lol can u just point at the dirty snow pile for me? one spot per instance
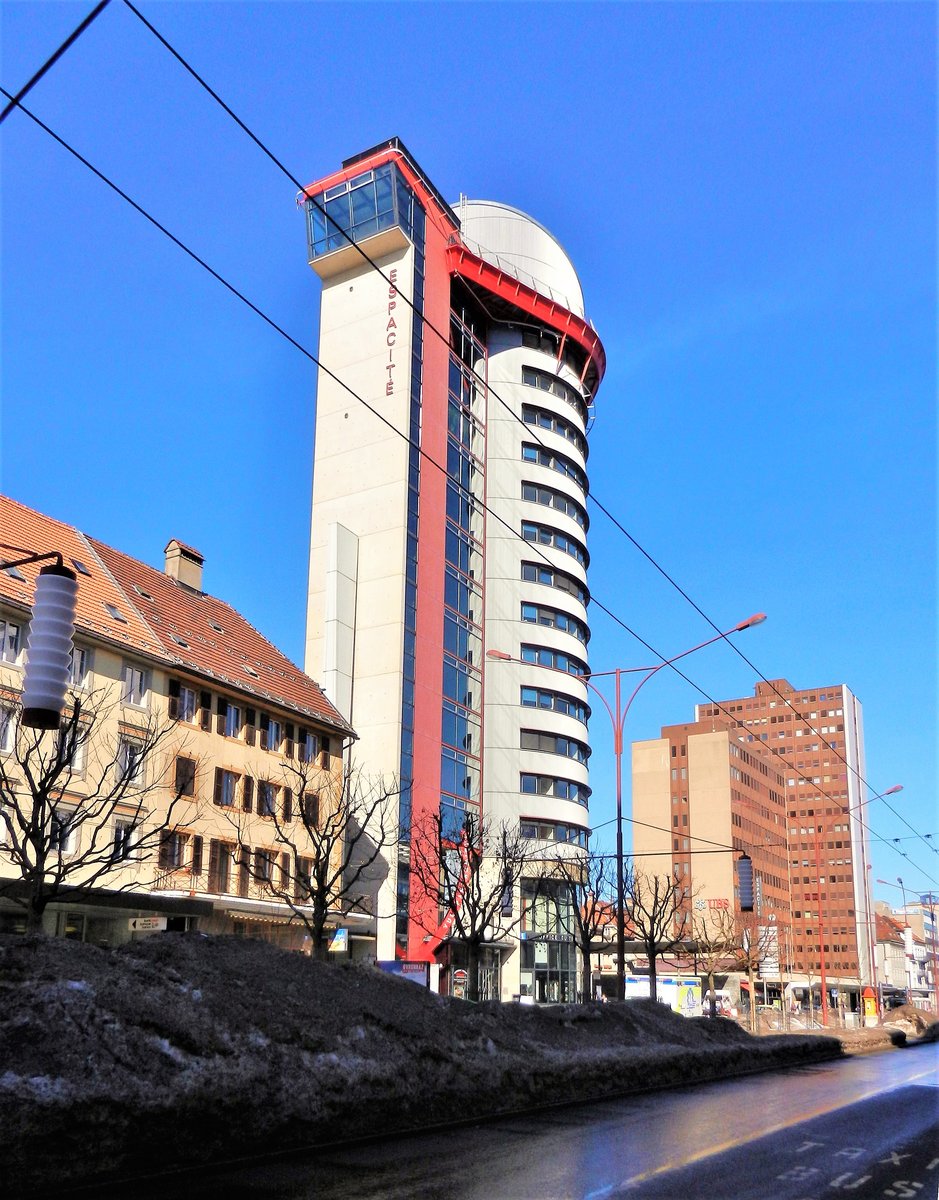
(181, 1048)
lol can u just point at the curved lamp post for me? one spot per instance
(870, 920)
(617, 712)
(906, 925)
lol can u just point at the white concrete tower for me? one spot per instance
(449, 519)
(535, 704)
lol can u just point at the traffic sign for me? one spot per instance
(146, 924)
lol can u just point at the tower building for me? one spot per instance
(819, 733)
(701, 787)
(449, 513)
(777, 775)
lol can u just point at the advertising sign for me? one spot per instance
(681, 995)
(417, 972)
(339, 942)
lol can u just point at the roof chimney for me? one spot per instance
(184, 564)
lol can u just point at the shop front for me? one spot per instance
(548, 970)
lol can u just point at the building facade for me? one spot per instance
(778, 775)
(916, 925)
(895, 961)
(920, 914)
(699, 790)
(182, 703)
(818, 737)
(449, 520)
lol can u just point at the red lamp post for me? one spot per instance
(617, 712)
(868, 904)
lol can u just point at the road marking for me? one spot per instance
(734, 1143)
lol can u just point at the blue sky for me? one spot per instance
(748, 192)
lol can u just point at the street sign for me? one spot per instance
(146, 924)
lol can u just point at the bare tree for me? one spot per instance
(589, 878)
(717, 941)
(754, 944)
(658, 914)
(81, 805)
(469, 880)
(325, 836)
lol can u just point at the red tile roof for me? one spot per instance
(888, 930)
(36, 533)
(156, 608)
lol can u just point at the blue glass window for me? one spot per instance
(532, 697)
(545, 656)
(459, 682)
(370, 202)
(452, 818)
(549, 785)
(555, 462)
(458, 775)
(545, 535)
(551, 577)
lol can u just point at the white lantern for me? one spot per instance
(48, 647)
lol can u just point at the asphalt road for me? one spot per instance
(860, 1129)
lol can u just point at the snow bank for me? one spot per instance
(179, 1048)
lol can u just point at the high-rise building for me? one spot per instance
(449, 517)
(698, 789)
(818, 737)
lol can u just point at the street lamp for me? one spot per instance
(868, 909)
(908, 956)
(50, 639)
(928, 900)
(617, 713)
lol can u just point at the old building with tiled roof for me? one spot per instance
(893, 958)
(153, 650)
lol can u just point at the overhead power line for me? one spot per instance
(54, 58)
(532, 546)
(530, 430)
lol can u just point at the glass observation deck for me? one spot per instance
(357, 209)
